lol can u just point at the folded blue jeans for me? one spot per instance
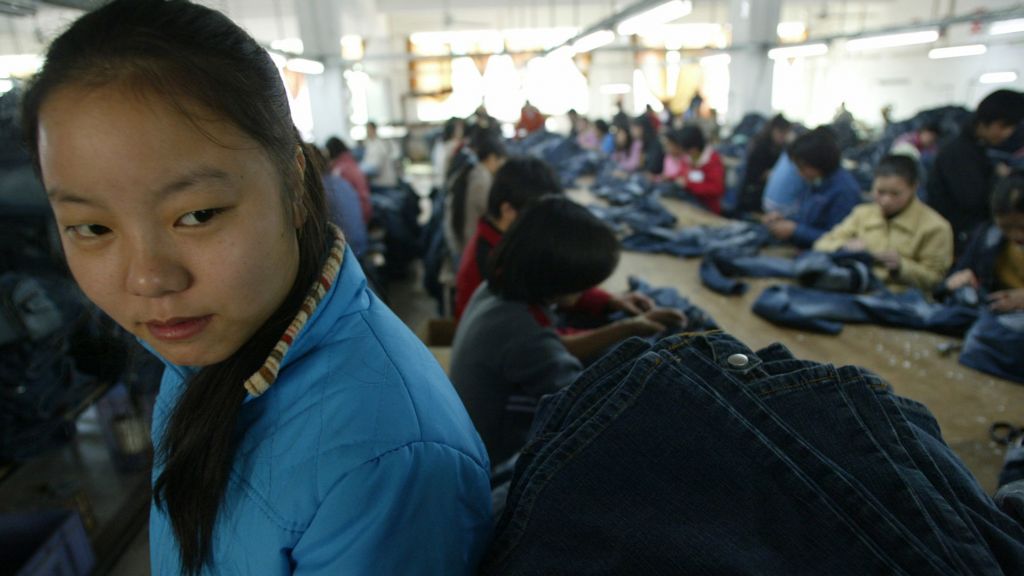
(696, 455)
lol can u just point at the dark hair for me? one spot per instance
(898, 165)
(189, 54)
(487, 145)
(484, 146)
(336, 147)
(449, 128)
(818, 149)
(601, 126)
(687, 138)
(556, 247)
(520, 181)
(629, 138)
(1008, 197)
(778, 122)
(371, 124)
(1003, 106)
(933, 127)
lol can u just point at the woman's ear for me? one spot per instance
(298, 199)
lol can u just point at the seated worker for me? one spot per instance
(784, 188)
(695, 166)
(467, 194)
(519, 183)
(628, 154)
(763, 153)
(994, 258)
(911, 243)
(506, 353)
(963, 176)
(832, 194)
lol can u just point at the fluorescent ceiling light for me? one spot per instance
(278, 59)
(304, 66)
(893, 40)
(562, 52)
(593, 40)
(289, 45)
(20, 65)
(802, 51)
(1006, 27)
(667, 12)
(957, 51)
(352, 47)
(716, 60)
(791, 31)
(616, 89)
(998, 78)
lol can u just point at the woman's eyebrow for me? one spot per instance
(192, 178)
(184, 182)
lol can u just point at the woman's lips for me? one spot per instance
(178, 328)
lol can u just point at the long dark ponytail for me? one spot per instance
(189, 54)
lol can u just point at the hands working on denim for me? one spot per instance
(780, 226)
(1007, 300)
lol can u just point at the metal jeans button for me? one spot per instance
(738, 360)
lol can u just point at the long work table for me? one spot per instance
(964, 401)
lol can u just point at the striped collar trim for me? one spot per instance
(261, 381)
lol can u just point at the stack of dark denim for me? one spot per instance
(699, 240)
(696, 455)
(397, 210)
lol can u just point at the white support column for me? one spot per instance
(320, 29)
(754, 24)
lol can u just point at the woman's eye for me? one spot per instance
(88, 230)
(198, 217)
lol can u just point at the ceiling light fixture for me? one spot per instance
(802, 51)
(593, 40)
(658, 15)
(957, 51)
(893, 40)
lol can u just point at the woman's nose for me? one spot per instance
(154, 270)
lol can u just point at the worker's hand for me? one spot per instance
(655, 321)
(782, 229)
(855, 245)
(1007, 300)
(1003, 170)
(769, 217)
(961, 279)
(890, 259)
(632, 303)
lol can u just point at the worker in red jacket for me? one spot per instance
(695, 166)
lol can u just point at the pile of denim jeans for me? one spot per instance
(565, 155)
(826, 312)
(397, 210)
(994, 343)
(699, 240)
(833, 271)
(696, 455)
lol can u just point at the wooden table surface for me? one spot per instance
(964, 401)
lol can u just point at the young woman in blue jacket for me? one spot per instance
(300, 427)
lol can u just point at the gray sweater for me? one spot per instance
(503, 361)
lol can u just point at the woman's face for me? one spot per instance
(1012, 225)
(185, 239)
